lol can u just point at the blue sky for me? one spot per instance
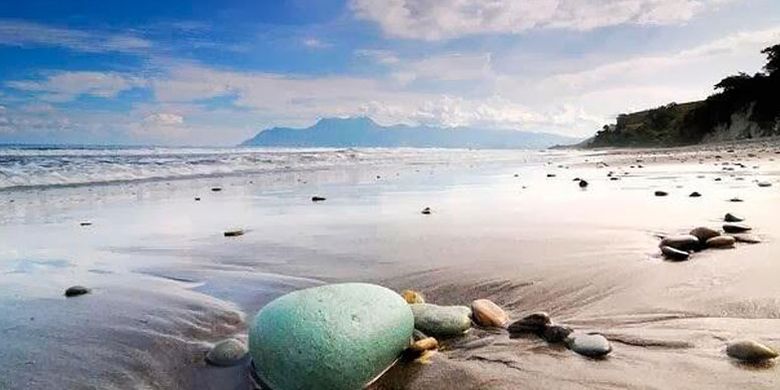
(216, 72)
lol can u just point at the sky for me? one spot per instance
(209, 72)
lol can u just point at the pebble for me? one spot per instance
(426, 211)
(747, 238)
(85, 223)
(550, 175)
(735, 200)
(695, 194)
(556, 333)
(441, 320)
(234, 233)
(227, 353)
(661, 193)
(704, 233)
(721, 242)
(411, 296)
(535, 322)
(732, 218)
(590, 345)
(216, 189)
(674, 254)
(750, 351)
(197, 198)
(75, 291)
(317, 199)
(685, 242)
(488, 314)
(735, 228)
(583, 184)
(764, 184)
(425, 344)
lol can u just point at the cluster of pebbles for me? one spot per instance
(680, 247)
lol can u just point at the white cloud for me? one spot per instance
(443, 19)
(315, 43)
(384, 57)
(22, 33)
(164, 119)
(66, 86)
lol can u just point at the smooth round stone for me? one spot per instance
(488, 314)
(318, 199)
(674, 254)
(591, 345)
(661, 193)
(234, 233)
(685, 242)
(747, 238)
(750, 351)
(411, 296)
(735, 228)
(426, 211)
(764, 184)
(732, 218)
(556, 333)
(704, 233)
(425, 344)
(438, 320)
(227, 353)
(338, 336)
(721, 242)
(695, 194)
(583, 183)
(75, 291)
(535, 322)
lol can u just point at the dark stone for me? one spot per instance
(695, 194)
(426, 210)
(735, 200)
(583, 183)
(234, 233)
(216, 189)
(661, 193)
(197, 199)
(732, 218)
(317, 199)
(674, 254)
(590, 345)
(556, 333)
(532, 323)
(227, 353)
(76, 291)
(747, 238)
(86, 223)
(550, 175)
(735, 227)
(685, 242)
(704, 233)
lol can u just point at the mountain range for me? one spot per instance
(364, 132)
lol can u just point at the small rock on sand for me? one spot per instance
(674, 254)
(426, 211)
(732, 218)
(75, 291)
(721, 242)
(764, 184)
(234, 233)
(661, 193)
(704, 233)
(735, 227)
(583, 183)
(317, 199)
(227, 353)
(533, 323)
(85, 223)
(197, 198)
(591, 345)
(488, 314)
(685, 242)
(425, 344)
(695, 194)
(735, 200)
(556, 333)
(750, 351)
(216, 189)
(747, 238)
(411, 296)
(441, 320)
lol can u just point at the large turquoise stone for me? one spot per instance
(339, 336)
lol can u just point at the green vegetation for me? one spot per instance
(756, 97)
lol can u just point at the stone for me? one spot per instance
(417, 335)
(674, 254)
(695, 194)
(85, 223)
(75, 291)
(425, 344)
(583, 184)
(591, 344)
(661, 193)
(721, 242)
(317, 199)
(488, 314)
(234, 233)
(704, 233)
(227, 353)
(197, 199)
(338, 336)
(747, 238)
(532, 323)
(750, 351)
(426, 211)
(764, 184)
(732, 218)
(685, 242)
(735, 200)
(556, 333)
(411, 296)
(216, 189)
(735, 228)
(438, 320)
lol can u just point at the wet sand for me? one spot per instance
(167, 284)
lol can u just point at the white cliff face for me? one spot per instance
(740, 127)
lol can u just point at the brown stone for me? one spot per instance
(488, 314)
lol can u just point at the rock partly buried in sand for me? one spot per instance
(425, 344)
(426, 211)
(583, 184)
(532, 323)
(735, 200)
(735, 228)
(674, 254)
(695, 194)
(85, 223)
(747, 238)
(591, 345)
(338, 336)
(234, 232)
(441, 320)
(721, 242)
(216, 189)
(764, 184)
(411, 296)
(704, 233)
(317, 199)
(732, 218)
(684, 242)
(750, 351)
(661, 193)
(75, 291)
(488, 314)
(556, 333)
(227, 353)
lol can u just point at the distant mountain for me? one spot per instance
(364, 132)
